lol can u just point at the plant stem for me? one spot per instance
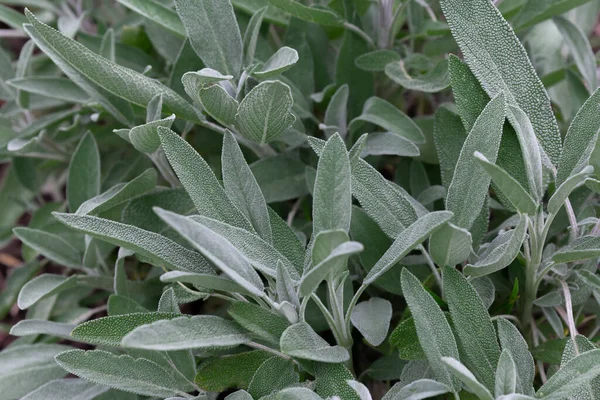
(259, 346)
(359, 32)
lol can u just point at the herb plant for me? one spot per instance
(290, 199)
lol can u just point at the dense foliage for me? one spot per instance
(300, 200)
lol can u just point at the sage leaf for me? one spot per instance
(534, 12)
(283, 59)
(434, 332)
(42, 287)
(319, 16)
(265, 113)
(251, 35)
(219, 104)
(221, 373)
(140, 376)
(28, 327)
(83, 181)
(406, 241)
(51, 246)
(372, 319)
(262, 323)
(274, 374)
(219, 45)
(572, 376)
(506, 375)
(145, 138)
(157, 13)
(512, 341)
(331, 381)
(466, 377)
(419, 389)
(205, 281)
(450, 245)
(182, 333)
(55, 87)
(435, 80)
(75, 389)
(377, 60)
(580, 249)
(336, 115)
(562, 193)
(301, 341)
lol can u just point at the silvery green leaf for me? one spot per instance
(435, 80)
(572, 377)
(214, 33)
(377, 60)
(466, 377)
(407, 241)
(109, 331)
(297, 393)
(12, 17)
(286, 241)
(318, 15)
(217, 249)
(469, 187)
(331, 381)
(54, 87)
(145, 138)
(168, 302)
(328, 268)
(251, 35)
(193, 82)
(389, 143)
(433, 329)
(51, 246)
(283, 59)
(83, 181)
(42, 327)
(336, 115)
(205, 281)
(535, 12)
(372, 319)
(485, 289)
(580, 139)
(81, 64)
(140, 376)
(593, 184)
(154, 108)
(580, 50)
(73, 389)
(280, 178)
(481, 349)
(450, 245)
(449, 136)
(219, 104)
(509, 186)
(589, 278)
(199, 331)
(361, 390)
(495, 55)
(572, 350)
(107, 46)
(506, 375)
(26, 367)
(384, 114)
(417, 390)
(200, 182)
(286, 290)
(120, 193)
(273, 374)
(301, 341)
(503, 250)
(239, 395)
(157, 13)
(42, 287)
(581, 249)
(550, 299)
(562, 193)
(155, 248)
(332, 197)
(242, 188)
(260, 322)
(511, 340)
(265, 113)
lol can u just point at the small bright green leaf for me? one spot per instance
(283, 59)
(562, 193)
(435, 80)
(406, 241)
(321, 16)
(83, 181)
(372, 319)
(466, 377)
(44, 286)
(214, 33)
(51, 246)
(157, 13)
(581, 249)
(301, 341)
(265, 113)
(199, 331)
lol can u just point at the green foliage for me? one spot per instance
(299, 199)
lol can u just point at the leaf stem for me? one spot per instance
(432, 266)
(359, 32)
(259, 346)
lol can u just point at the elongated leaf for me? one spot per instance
(377, 60)
(581, 249)
(83, 181)
(332, 195)
(379, 112)
(109, 331)
(406, 340)
(219, 374)
(73, 389)
(120, 193)
(435, 80)
(372, 319)
(260, 322)
(434, 332)
(301, 341)
(481, 349)
(43, 286)
(572, 376)
(138, 89)
(42, 327)
(469, 186)
(580, 139)
(199, 331)
(214, 33)
(273, 374)
(506, 375)
(417, 390)
(15, 281)
(319, 16)
(58, 88)
(206, 281)
(280, 178)
(450, 245)
(562, 193)
(509, 186)
(217, 249)
(138, 376)
(265, 113)
(297, 393)
(388, 143)
(537, 11)
(589, 278)
(511, 340)
(406, 241)
(503, 250)
(199, 181)
(242, 188)
(462, 373)
(251, 35)
(156, 248)
(336, 115)
(51, 246)
(496, 56)
(157, 13)
(283, 59)
(331, 381)
(580, 48)
(145, 138)
(26, 367)
(218, 104)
